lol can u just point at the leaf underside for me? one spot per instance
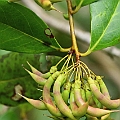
(105, 24)
(23, 31)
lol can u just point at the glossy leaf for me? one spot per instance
(105, 28)
(12, 74)
(85, 2)
(23, 31)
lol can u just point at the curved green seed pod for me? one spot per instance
(45, 4)
(105, 117)
(35, 71)
(103, 87)
(47, 99)
(59, 100)
(82, 91)
(65, 15)
(103, 99)
(56, 118)
(53, 117)
(97, 84)
(96, 112)
(89, 95)
(46, 75)
(77, 111)
(91, 117)
(40, 80)
(98, 104)
(36, 103)
(66, 92)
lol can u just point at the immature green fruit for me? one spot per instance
(47, 99)
(105, 117)
(36, 103)
(38, 73)
(77, 111)
(103, 99)
(65, 15)
(40, 80)
(98, 104)
(66, 92)
(45, 4)
(91, 117)
(89, 95)
(96, 112)
(65, 110)
(82, 91)
(34, 70)
(103, 87)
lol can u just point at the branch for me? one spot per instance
(59, 23)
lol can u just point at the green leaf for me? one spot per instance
(105, 29)
(85, 2)
(13, 75)
(21, 30)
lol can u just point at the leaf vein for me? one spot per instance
(106, 27)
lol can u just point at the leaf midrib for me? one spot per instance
(37, 39)
(28, 35)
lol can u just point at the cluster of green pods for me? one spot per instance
(72, 92)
